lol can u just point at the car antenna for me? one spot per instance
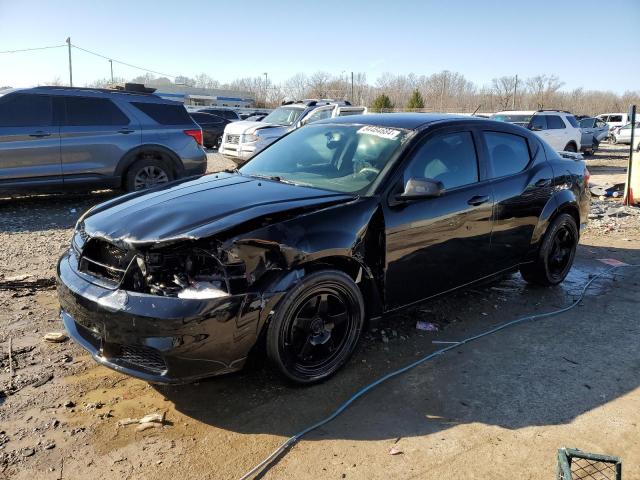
(476, 111)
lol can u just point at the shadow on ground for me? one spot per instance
(541, 373)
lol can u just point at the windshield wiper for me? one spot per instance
(275, 178)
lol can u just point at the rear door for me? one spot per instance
(436, 244)
(94, 137)
(522, 183)
(558, 132)
(29, 141)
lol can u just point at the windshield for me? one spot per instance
(283, 116)
(344, 158)
(505, 117)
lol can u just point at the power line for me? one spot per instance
(122, 63)
(32, 49)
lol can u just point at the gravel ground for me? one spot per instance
(59, 412)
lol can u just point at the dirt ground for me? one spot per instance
(499, 407)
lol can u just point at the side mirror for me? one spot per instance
(534, 128)
(417, 188)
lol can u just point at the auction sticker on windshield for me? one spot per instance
(381, 132)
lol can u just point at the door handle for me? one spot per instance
(126, 131)
(543, 182)
(40, 134)
(478, 200)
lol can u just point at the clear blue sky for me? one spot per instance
(583, 42)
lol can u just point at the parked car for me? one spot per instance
(212, 128)
(61, 137)
(558, 128)
(594, 131)
(623, 134)
(244, 139)
(226, 113)
(614, 119)
(345, 219)
(256, 118)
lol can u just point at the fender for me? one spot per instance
(129, 157)
(562, 201)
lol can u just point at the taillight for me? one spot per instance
(587, 176)
(195, 134)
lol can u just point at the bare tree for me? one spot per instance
(503, 89)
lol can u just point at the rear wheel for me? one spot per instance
(556, 254)
(147, 172)
(316, 327)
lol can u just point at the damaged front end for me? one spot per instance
(164, 313)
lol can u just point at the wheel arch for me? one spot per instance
(132, 155)
(563, 201)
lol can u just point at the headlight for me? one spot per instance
(250, 138)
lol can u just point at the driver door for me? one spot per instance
(437, 244)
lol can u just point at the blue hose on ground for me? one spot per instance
(292, 440)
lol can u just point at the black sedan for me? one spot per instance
(341, 221)
(212, 128)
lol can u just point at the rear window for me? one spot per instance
(615, 118)
(572, 120)
(25, 111)
(93, 111)
(554, 122)
(165, 114)
(509, 153)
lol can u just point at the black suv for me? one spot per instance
(52, 137)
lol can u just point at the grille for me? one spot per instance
(144, 357)
(233, 139)
(105, 260)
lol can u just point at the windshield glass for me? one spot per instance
(344, 158)
(284, 116)
(505, 117)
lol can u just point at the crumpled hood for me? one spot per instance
(247, 127)
(198, 208)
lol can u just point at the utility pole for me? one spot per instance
(352, 99)
(70, 69)
(266, 83)
(515, 92)
(111, 64)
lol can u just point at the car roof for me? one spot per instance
(97, 93)
(515, 112)
(410, 121)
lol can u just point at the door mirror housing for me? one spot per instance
(417, 188)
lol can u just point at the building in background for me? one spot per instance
(204, 97)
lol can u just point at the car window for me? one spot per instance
(615, 118)
(26, 111)
(554, 122)
(539, 122)
(600, 124)
(572, 121)
(508, 153)
(93, 111)
(319, 115)
(587, 123)
(449, 158)
(206, 118)
(165, 114)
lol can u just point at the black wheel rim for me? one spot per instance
(561, 252)
(320, 330)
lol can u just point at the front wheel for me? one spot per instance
(556, 254)
(316, 327)
(570, 147)
(147, 172)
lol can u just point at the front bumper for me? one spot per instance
(238, 151)
(158, 339)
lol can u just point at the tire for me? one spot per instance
(147, 172)
(614, 140)
(316, 327)
(570, 147)
(217, 143)
(556, 254)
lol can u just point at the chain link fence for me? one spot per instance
(577, 465)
